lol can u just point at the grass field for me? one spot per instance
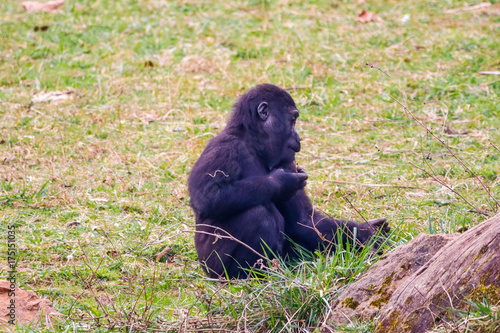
(94, 179)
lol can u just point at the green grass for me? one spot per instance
(96, 183)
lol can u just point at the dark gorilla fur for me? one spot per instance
(247, 189)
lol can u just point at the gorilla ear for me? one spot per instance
(262, 111)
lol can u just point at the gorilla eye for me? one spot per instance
(295, 115)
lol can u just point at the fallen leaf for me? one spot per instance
(73, 224)
(490, 73)
(113, 253)
(35, 6)
(30, 310)
(366, 16)
(481, 5)
(53, 96)
(449, 131)
(41, 28)
(163, 253)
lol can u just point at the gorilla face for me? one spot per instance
(279, 134)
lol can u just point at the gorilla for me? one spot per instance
(248, 194)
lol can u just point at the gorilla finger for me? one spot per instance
(301, 170)
(302, 176)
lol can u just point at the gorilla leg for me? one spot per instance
(254, 234)
(314, 231)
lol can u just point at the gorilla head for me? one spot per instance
(265, 116)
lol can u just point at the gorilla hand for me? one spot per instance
(287, 183)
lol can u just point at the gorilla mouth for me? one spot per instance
(295, 148)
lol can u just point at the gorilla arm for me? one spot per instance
(218, 188)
